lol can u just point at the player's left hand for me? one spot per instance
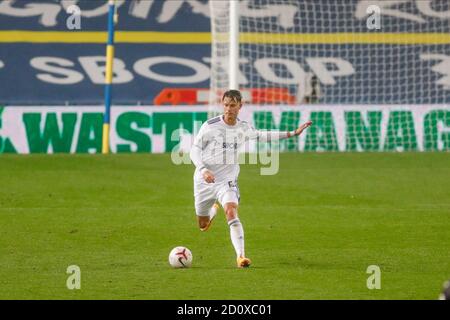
(300, 129)
(208, 176)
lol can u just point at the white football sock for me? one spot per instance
(237, 236)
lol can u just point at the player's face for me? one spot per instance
(231, 108)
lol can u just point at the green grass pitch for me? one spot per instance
(311, 230)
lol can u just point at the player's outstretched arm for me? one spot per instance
(300, 129)
(273, 135)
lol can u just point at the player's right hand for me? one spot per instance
(208, 176)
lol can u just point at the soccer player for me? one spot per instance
(215, 155)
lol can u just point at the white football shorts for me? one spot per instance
(206, 194)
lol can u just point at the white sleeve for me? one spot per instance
(201, 139)
(196, 157)
(267, 135)
(199, 144)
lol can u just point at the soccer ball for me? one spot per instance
(180, 257)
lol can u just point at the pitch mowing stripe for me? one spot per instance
(17, 36)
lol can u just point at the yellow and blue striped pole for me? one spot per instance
(108, 76)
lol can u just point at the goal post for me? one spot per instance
(234, 45)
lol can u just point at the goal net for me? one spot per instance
(363, 71)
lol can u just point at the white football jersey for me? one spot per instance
(217, 147)
(220, 144)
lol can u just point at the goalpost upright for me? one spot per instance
(234, 45)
